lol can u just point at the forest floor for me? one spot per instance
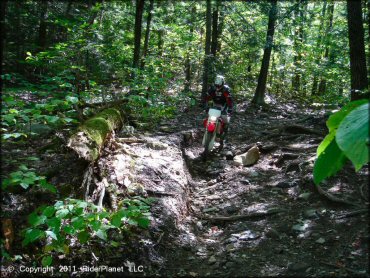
(214, 218)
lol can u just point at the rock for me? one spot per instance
(230, 247)
(210, 209)
(272, 233)
(299, 266)
(190, 155)
(157, 145)
(320, 240)
(304, 196)
(231, 240)
(248, 158)
(212, 260)
(310, 213)
(229, 155)
(245, 181)
(287, 184)
(127, 130)
(231, 209)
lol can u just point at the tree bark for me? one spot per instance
(188, 65)
(2, 42)
(298, 41)
(91, 135)
(43, 25)
(318, 46)
(259, 95)
(322, 85)
(147, 33)
(214, 31)
(138, 24)
(359, 80)
(207, 49)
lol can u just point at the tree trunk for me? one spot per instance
(187, 62)
(259, 95)
(214, 31)
(138, 23)
(147, 33)
(91, 135)
(298, 42)
(207, 48)
(43, 25)
(220, 27)
(322, 85)
(318, 46)
(2, 42)
(356, 49)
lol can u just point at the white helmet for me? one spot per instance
(220, 80)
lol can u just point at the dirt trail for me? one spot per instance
(214, 218)
(289, 228)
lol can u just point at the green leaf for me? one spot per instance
(44, 184)
(24, 185)
(69, 229)
(54, 223)
(36, 220)
(83, 236)
(102, 234)
(78, 222)
(48, 211)
(334, 120)
(143, 222)
(353, 136)
(117, 220)
(51, 234)
(32, 235)
(330, 161)
(62, 213)
(46, 261)
(95, 225)
(325, 143)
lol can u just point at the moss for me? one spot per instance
(100, 125)
(97, 129)
(113, 116)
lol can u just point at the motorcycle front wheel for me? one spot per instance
(208, 141)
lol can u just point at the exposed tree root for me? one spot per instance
(353, 213)
(87, 180)
(342, 267)
(131, 140)
(244, 216)
(332, 198)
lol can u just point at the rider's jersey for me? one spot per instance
(222, 97)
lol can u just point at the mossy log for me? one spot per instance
(90, 136)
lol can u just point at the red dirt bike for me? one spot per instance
(214, 127)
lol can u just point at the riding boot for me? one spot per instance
(223, 137)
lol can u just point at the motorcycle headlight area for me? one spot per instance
(213, 118)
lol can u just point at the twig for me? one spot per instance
(245, 216)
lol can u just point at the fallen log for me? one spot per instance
(91, 135)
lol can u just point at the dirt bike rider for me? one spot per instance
(221, 96)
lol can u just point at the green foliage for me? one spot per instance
(348, 138)
(72, 218)
(25, 178)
